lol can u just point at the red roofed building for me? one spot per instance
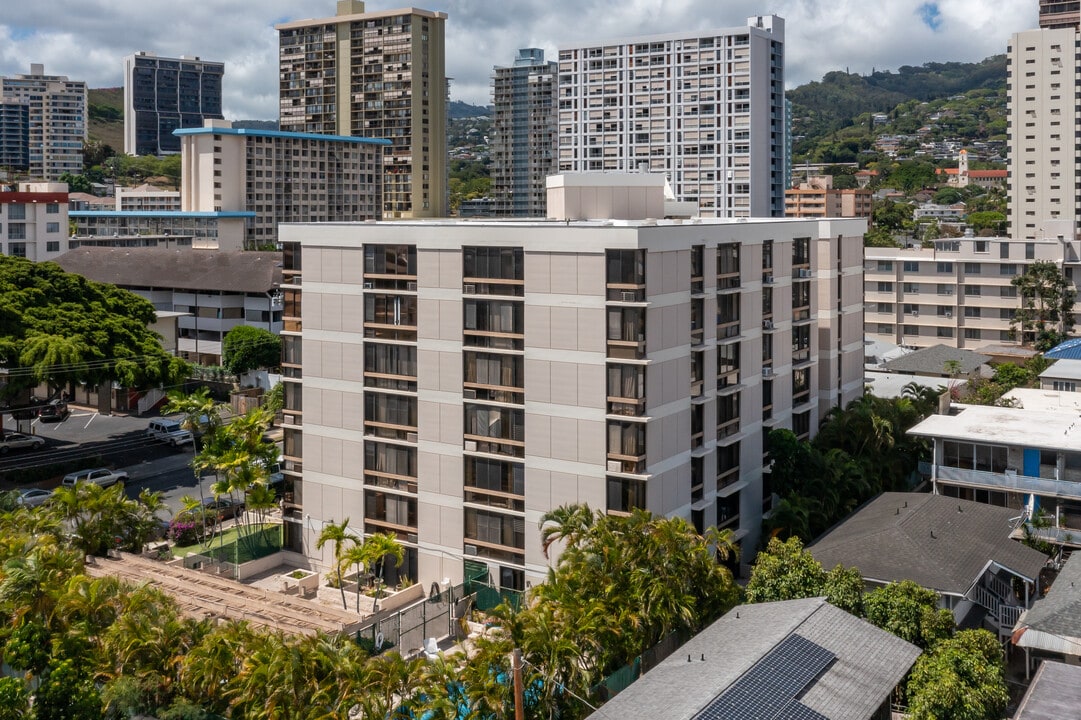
(961, 176)
(34, 221)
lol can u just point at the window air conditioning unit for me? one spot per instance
(615, 466)
(469, 549)
(767, 324)
(767, 371)
(470, 445)
(410, 437)
(469, 289)
(411, 285)
(767, 279)
(915, 313)
(630, 296)
(949, 314)
(804, 273)
(469, 394)
(369, 285)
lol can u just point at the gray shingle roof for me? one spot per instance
(870, 662)
(1055, 693)
(926, 539)
(932, 361)
(1057, 614)
(186, 269)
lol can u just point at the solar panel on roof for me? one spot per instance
(768, 690)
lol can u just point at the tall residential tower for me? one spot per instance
(523, 134)
(1044, 164)
(56, 120)
(165, 94)
(704, 108)
(376, 75)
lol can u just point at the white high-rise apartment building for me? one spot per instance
(704, 108)
(1044, 163)
(57, 120)
(461, 378)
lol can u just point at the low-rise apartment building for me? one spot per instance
(34, 220)
(215, 290)
(957, 292)
(462, 378)
(817, 198)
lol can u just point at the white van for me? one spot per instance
(99, 476)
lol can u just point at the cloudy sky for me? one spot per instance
(87, 39)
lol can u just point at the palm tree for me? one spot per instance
(202, 413)
(370, 555)
(336, 533)
(568, 523)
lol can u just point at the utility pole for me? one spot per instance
(516, 669)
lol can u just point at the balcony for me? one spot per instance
(1009, 481)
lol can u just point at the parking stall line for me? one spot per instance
(90, 421)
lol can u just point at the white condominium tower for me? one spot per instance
(1042, 85)
(704, 108)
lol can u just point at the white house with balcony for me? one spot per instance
(1025, 458)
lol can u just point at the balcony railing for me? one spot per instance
(1010, 481)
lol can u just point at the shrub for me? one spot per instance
(184, 532)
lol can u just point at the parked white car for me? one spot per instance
(19, 441)
(33, 497)
(99, 476)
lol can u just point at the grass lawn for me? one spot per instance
(226, 540)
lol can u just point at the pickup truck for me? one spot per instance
(169, 431)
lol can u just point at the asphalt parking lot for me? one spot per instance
(119, 440)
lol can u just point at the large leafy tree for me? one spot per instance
(785, 571)
(58, 327)
(247, 348)
(962, 678)
(910, 612)
(1047, 299)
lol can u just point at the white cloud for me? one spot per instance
(87, 39)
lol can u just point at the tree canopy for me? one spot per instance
(1045, 317)
(58, 327)
(247, 348)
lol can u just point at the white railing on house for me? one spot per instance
(1008, 481)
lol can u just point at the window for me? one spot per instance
(492, 262)
(1007, 291)
(885, 266)
(972, 312)
(911, 287)
(1030, 251)
(625, 495)
(16, 211)
(1064, 385)
(980, 246)
(1004, 250)
(52, 246)
(944, 289)
(52, 208)
(972, 333)
(972, 268)
(911, 309)
(912, 266)
(944, 267)
(944, 332)
(1008, 269)
(1005, 313)
(52, 227)
(494, 529)
(972, 290)
(16, 231)
(969, 456)
(17, 249)
(390, 259)
(885, 287)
